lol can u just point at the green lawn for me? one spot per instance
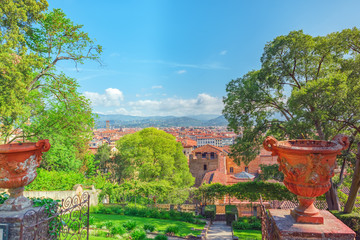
(248, 234)
(101, 238)
(160, 224)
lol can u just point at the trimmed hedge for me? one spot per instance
(231, 214)
(140, 211)
(247, 223)
(352, 220)
(210, 212)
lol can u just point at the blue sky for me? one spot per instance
(175, 57)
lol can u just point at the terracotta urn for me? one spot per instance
(18, 163)
(308, 166)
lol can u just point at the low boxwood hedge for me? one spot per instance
(210, 212)
(231, 214)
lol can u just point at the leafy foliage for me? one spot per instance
(149, 227)
(154, 156)
(247, 223)
(307, 87)
(3, 197)
(62, 181)
(161, 237)
(295, 94)
(172, 230)
(37, 101)
(270, 172)
(138, 234)
(141, 211)
(244, 191)
(210, 212)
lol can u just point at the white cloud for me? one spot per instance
(181, 72)
(111, 97)
(159, 86)
(224, 52)
(202, 104)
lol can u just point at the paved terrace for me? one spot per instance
(219, 231)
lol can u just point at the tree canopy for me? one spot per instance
(155, 156)
(36, 100)
(307, 87)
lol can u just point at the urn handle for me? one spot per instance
(269, 144)
(43, 145)
(343, 140)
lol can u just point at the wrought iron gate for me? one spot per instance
(68, 220)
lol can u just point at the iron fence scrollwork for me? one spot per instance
(66, 220)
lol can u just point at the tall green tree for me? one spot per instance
(155, 156)
(102, 156)
(293, 95)
(37, 100)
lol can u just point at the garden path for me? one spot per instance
(219, 231)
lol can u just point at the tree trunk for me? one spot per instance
(355, 184)
(332, 198)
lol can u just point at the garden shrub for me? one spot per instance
(91, 220)
(138, 234)
(149, 227)
(99, 225)
(161, 237)
(129, 225)
(118, 229)
(247, 223)
(210, 212)
(172, 230)
(199, 222)
(55, 181)
(231, 214)
(108, 224)
(141, 211)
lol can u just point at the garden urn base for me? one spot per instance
(306, 212)
(306, 218)
(16, 201)
(284, 227)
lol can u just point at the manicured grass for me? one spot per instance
(101, 238)
(160, 224)
(248, 234)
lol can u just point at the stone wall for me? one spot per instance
(196, 166)
(60, 195)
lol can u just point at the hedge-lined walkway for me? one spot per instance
(219, 231)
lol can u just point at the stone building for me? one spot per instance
(212, 164)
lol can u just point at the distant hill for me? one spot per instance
(219, 121)
(118, 120)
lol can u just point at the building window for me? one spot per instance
(212, 155)
(205, 167)
(204, 155)
(231, 170)
(246, 169)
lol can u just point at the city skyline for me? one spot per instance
(175, 58)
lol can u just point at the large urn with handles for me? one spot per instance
(308, 166)
(18, 164)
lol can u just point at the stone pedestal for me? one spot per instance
(14, 220)
(286, 228)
